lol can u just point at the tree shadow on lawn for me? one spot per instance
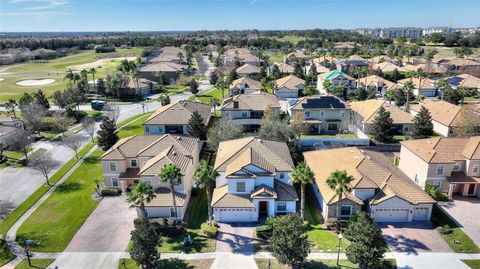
(173, 263)
(38, 237)
(176, 243)
(68, 187)
(321, 265)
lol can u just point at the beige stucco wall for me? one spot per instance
(413, 165)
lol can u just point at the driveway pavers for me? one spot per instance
(235, 238)
(466, 212)
(413, 237)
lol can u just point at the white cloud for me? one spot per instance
(252, 2)
(39, 8)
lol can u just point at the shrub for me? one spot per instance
(184, 81)
(104, 49)
(110, 192)
(264, 231)
(445, 229)
(435, 192)
(171, 231)
(209, 231)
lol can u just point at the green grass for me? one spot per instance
(12, 158)
(36, 263)
(448, 51)
(320, 264)
(172, 264)
(5, 254)
(134, 128)
(54, 69)
(173, 89)
(33, 198)
(207, 96)
(466, 244)
(291, 38)
(57, 220)
(276, 57)
(474, 264)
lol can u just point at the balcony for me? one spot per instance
(247, 121)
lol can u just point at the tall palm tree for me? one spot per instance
(443, 85)
(222, 84)
(339, 181)
(93, 71)
(205, 175)
(409, 86)
(69, 75)
(142, 193)
(302, 174)
(214, 103)
(171, 174)
(84, 76)
(136, 77)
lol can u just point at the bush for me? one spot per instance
(209, 231)
(110, 192)
(171, 231)
(184, 81)
(445, 229)
(104, 49)
(435, 192)
(264, 232)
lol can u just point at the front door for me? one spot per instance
(263, 207)
(471, 189)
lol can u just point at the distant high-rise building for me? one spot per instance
(438, 30)
(407, 32)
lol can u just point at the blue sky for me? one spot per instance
(163, 15)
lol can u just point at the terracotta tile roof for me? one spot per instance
(381, 58)
(388, 67)
(425, 83)
(221, 198)
(460, 177)
(444, 149)
(431, 68)
(251, 83)
(368, 109)
(376, 81)
(163, 66)
(472, 150)
(356, 57)
(285, 68)
(441, 111)
(258, 101)
(179, 113)
(289, 82)
(462, 62)
(248, 69)
(464, 80)
(128, 147)
(164, 198)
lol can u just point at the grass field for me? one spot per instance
(474, 264)
(134, 128)
(291, 38)
(205, 97)
(319, 264)
(448, 51)
(5, 254)
(36, 263)
(53, 69)
(172, 264)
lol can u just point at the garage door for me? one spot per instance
(391, 215)
(420, 213)
(235, 214)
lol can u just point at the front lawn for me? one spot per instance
(206, 96)
(5, 254)
(351, 136)
(57, 220)
(319, 264)
(12, 158)
(458, 240)
(171, 264)
(474, 264)
(36, 263)
(174, 89)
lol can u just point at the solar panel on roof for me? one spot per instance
(323, 102)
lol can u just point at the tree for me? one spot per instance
(422, 126)
(298, 70)
(43, 163)
(312, 73)
(222, 130)
(20, 142)
(161, 78)
(205, 175)
(382, 126)
(92, 71)
(274, 128)
(146, 239)
(107, 135)
(430, 54)
(367, 244)
(88, 124)
(298, 125)
(196, 127)
(213, 78)
(101, 86)
(327, 84)
(409, 86)
(302, 174)
(60, 123)
(275, 72)
(141, 193)
(164, 99)
(25, 99)
(289, 240)
(33, 116)
(193, 86)
(113, 112)
(452, 96)
(339, 182)
(74, 142)
(41, 100)
(171, 174)
(214, 102)
(60, 99)
(222, 84)
(310, 90)
(10, 106)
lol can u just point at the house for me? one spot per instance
(424, 87)
(294, 56)
(324, 114)
(289, 87)
(464, 66)
(346, 45)
(248, 70)
(6, 134)
(336, 78)
(381, 59)
(378, 186)
(449, 163)
(140, 158)
(364, 112)
(243, 55)
(464, 80)
(170, 54)
(380, 84)
(284, 68)
(134, 89)
(429, 68)
(388, 67)
(254, 180)
(344, 65)
(320, 68)
(447, 117)
(173, 118)
(171, 70)
(11, 121)
(243, 85)
(247, 109)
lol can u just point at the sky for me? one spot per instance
(187, 15)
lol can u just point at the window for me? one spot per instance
(113, 166)
(342, 114)
(436, 183)
(244, 114)
(148, 181)
(172, 212)
(332, 127)
(227, 114)
(147, 129)
(161, 129)
(133, 163)
(241, 186)
(456, 166)
(322, 114)
(346, 210)
(114, 181)
(282, 175)
(417, 178)
(440, 169)
(281, 206)
(307, 114)
(475, 168)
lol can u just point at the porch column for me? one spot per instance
(450, 190)
(123, 185)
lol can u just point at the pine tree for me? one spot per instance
(196, 127)
(41, 99)
(298, 70)
(107, 135)
(381, 126)
(422, 124)
(25, 100)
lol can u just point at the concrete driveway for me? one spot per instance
(107, 229)
(235, 238)
(466, 212)
(413, 237)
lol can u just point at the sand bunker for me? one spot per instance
(35, 82)
(102, 62)
(1, 79)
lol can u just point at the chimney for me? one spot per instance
(235, 104)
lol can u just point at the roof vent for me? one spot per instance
(259, 140)
(174, 153)
(179, 138)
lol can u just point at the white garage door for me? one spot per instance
(420, 213)
(391, 215)
(235, 214)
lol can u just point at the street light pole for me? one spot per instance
(340, 236)
(27, 247)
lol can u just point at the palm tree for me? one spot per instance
(69, 75)
(140, 194)
(443, 85)
(214, 103)
(463, 91)
(84, 76)
(114, 85)
(93, 71)
(339, 182)
(222, 84)
(136, 77)
(171, 174)
(205, 175)
(409, 86)
(10, 105)
(302, 174)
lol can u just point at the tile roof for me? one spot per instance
(263, 191)
(248, 69)
(319, 101)
(4, 130)
(251, 83)
(460, 177)
(462, 62)
(249, 157)
(164, 198)
(258, 100)
(180, 113)
(376, 81)
(170, 155)
(333, 74)
(443, 112)
(368, 109)
(423, 83)
(285, 68)
(388, 67)
(221, 198)
(431, 68)
(289, 82)
(162, 66)
(464, 80)
(284, 191)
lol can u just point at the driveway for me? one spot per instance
(235, 238)
(465, 211)
(413, 237)
(107, 229)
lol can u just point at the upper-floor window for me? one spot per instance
(440, 169)
(113, 166)
(342, 114)
(282, 175)
(133, 163)
(307, 113)
(241, 186)
(227, 114)
(456, 166)
(417, 178)
(475, 169)
(147, 129)
(322, 114)
(244, 114)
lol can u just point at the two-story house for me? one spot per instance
(336, 78)
(422, 87)
(243, 85)
(173, 118)
(247, 109)
(248, 70)
(324, 114)
(254, 180)
(450, 163)
(380, 84)
(140, 158)
(289, 87)
(378, 187)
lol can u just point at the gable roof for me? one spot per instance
(374, 79)
(443, 112)
(419, 83)
(248, 69)
(388, 67)
(249, 157)
(252, 84)
(162, 66)
(464, 80)
(334, 74)
(289, 82)
(221, 198)
(285, 68)
(179, 113)
(170, 155)
(462, 62)
(368, 109)
(251, 101)
(320, 101)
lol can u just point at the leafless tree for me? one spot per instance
(21, 141)
(60, 124)
(74, 142)
(5, 209)
(43, 163)
(88, 124)
(33, 115)
(97, 182)
(113, 112)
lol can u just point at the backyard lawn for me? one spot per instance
(474, 264)
(172, 264)
(134, 128)
(457, 239)
(36, 263)
(57, 220)
(206, 96)
(319, 264)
